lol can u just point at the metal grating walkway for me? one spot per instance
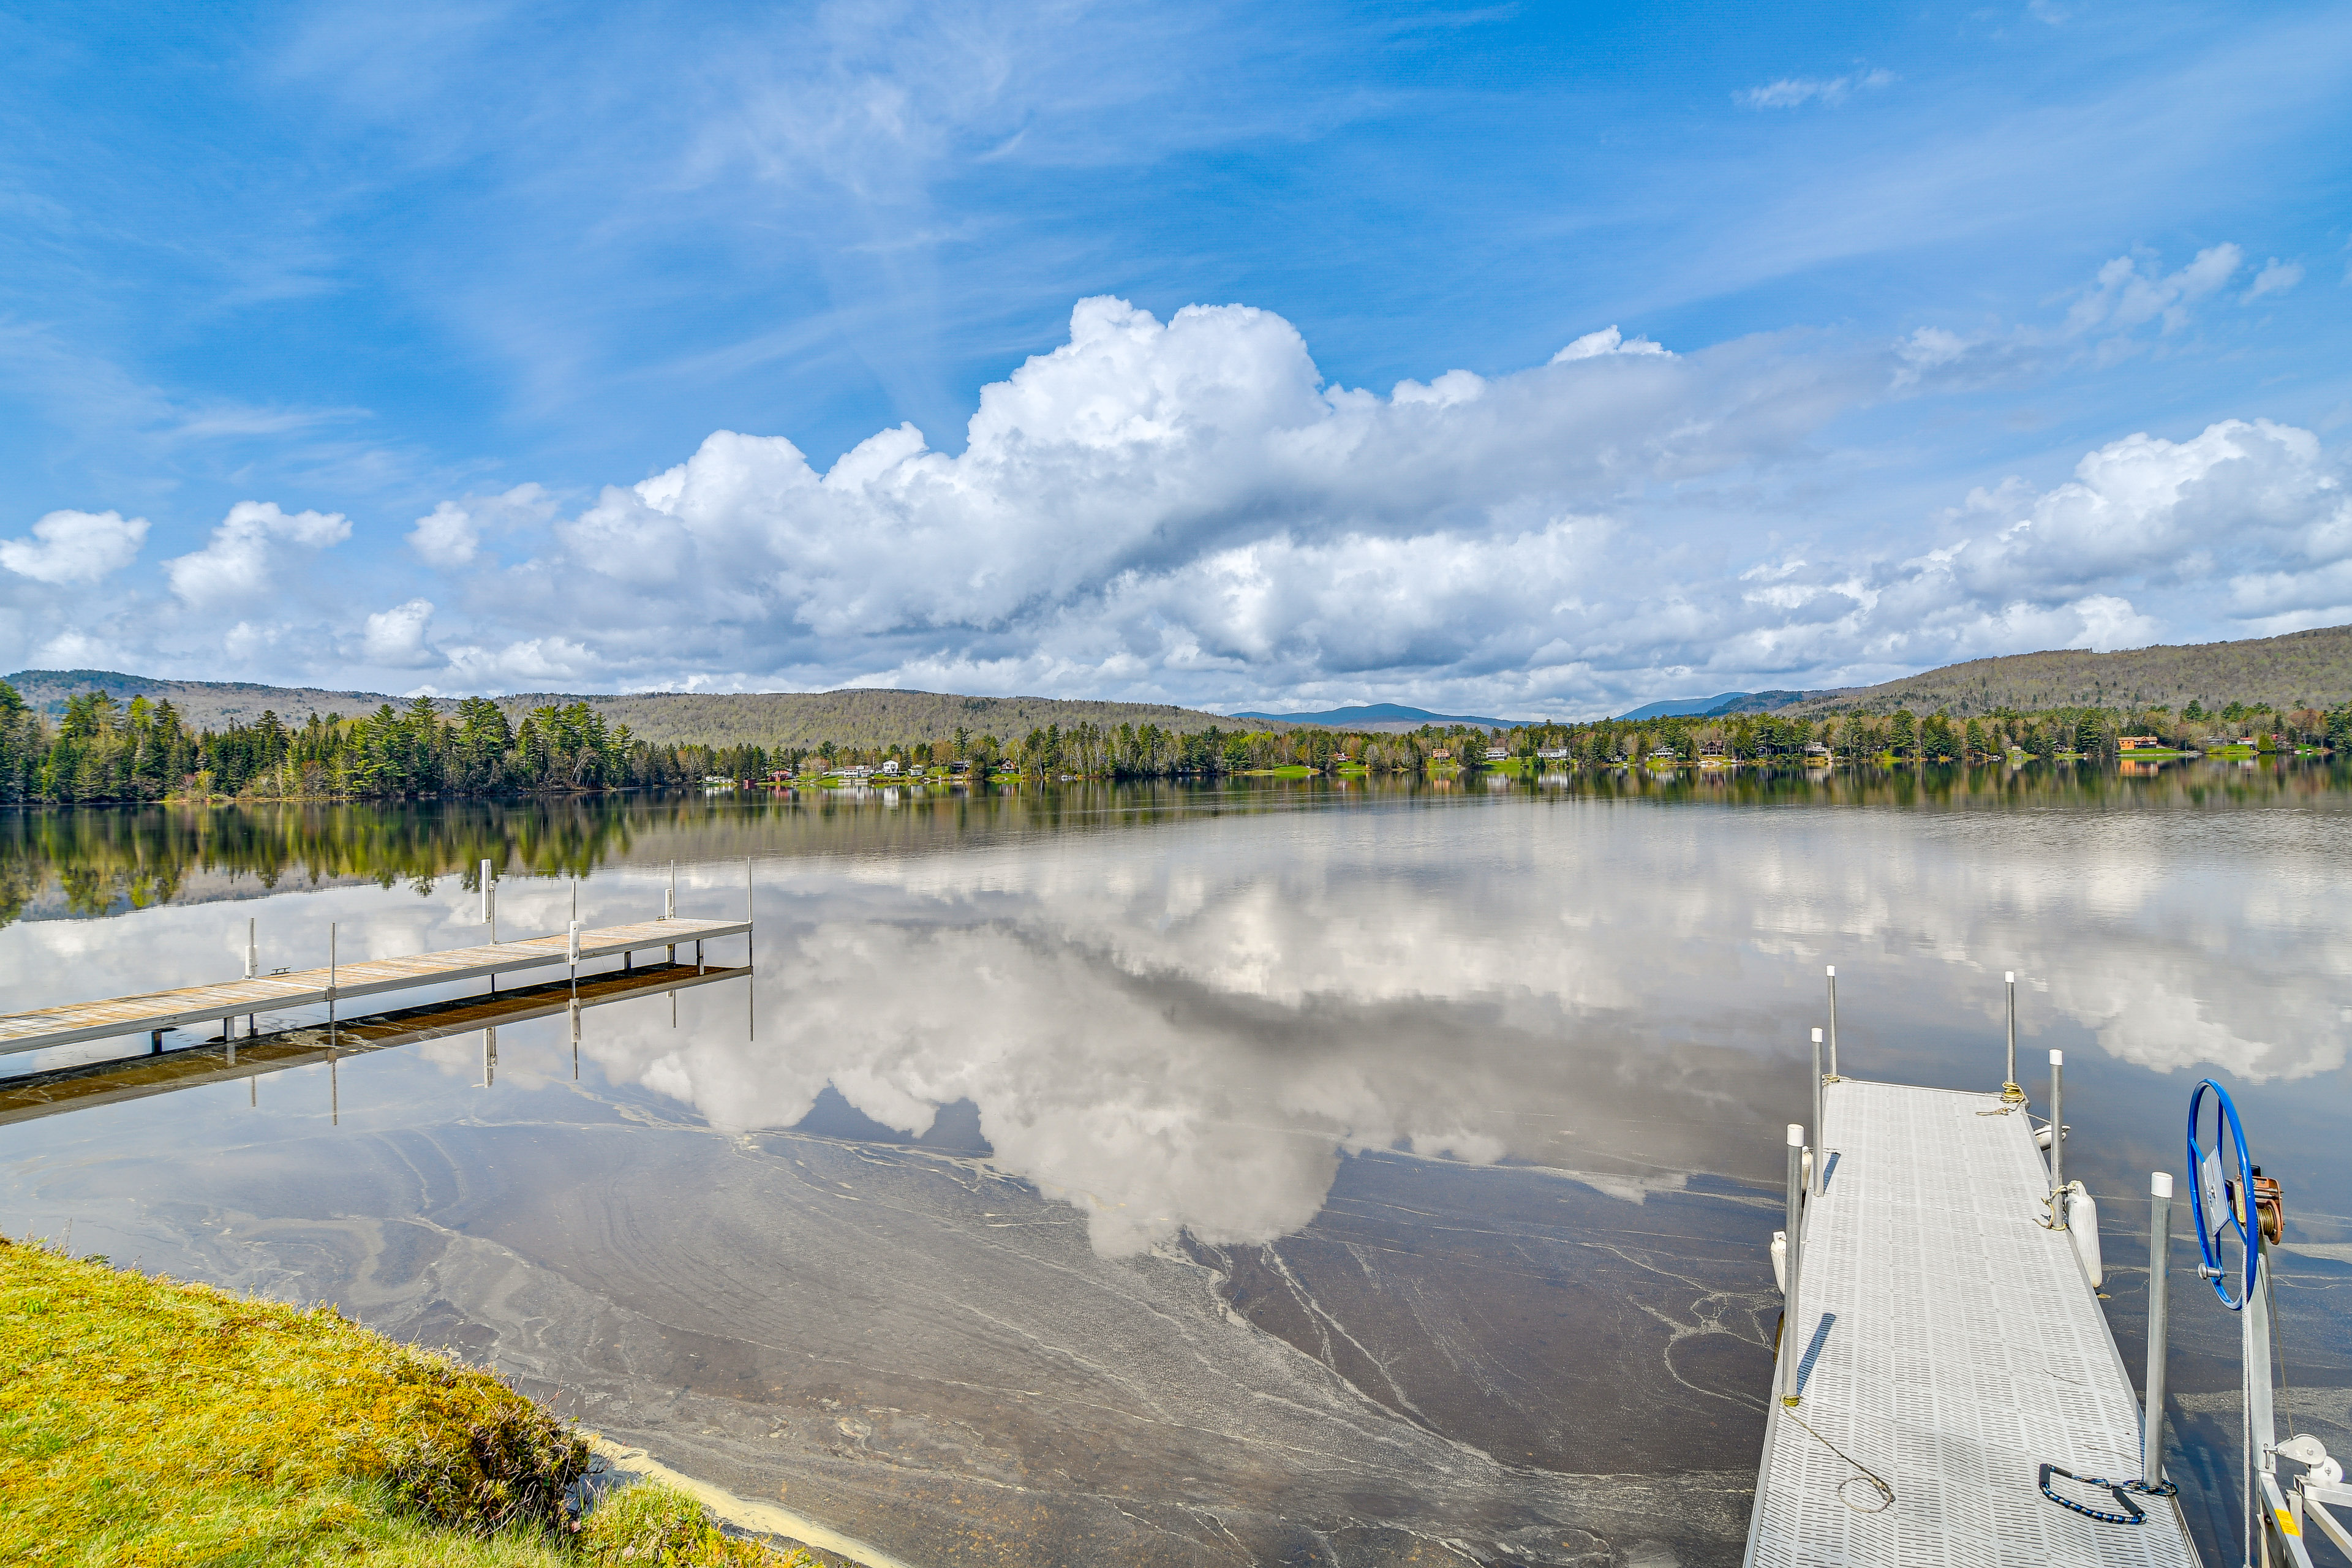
(78, 1021)
(1955, 1346)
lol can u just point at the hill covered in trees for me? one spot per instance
(859, 717)
(776, 721)
(2301, 670)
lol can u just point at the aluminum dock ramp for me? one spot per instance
(1951, 1345)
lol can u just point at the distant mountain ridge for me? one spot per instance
(1380, 718)
(1721, 705)
(202, 704)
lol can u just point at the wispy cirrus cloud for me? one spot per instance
(1795, 92)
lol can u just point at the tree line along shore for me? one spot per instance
(103, 751)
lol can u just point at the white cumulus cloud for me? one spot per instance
(243, 555)
(395, 637)
(75, 547)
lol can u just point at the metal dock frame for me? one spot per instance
(1949, 1342)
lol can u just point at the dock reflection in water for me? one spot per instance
(1314, 1176)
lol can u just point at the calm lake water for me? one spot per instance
(1300, 1174)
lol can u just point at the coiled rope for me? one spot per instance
(1885, 1494)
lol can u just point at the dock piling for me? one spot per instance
(2159, 1268)
(1833, 1066)
(1794, 1255)
(252, 952)
(2057, 1140)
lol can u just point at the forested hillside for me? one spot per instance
(773, 720)
(2302, 669)
(861, 718)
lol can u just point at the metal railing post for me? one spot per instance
(1821, 1157)
(2009, 1089)
(2057, 1140)
(2160, 1266)
(1833, 1066)
(1792, 1257)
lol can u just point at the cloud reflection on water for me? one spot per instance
(1186, 1026)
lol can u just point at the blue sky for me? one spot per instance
(279, 282)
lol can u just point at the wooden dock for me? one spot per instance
(30, 1097)
(156, 1011)
(1951, 1345)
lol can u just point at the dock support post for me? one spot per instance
(1833, 1066)
(154, 1042)
(2057, 1140)
(1793, 1258)
(1821, 1154)
(576, 1039)
(491, 916)
(2009, 1089)
(2159, 1266)
(252, 952)
(228, 1038)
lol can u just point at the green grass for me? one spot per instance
(144, 1421)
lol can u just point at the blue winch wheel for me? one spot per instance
(2216, 1195)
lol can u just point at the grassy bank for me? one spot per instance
(143, 1420)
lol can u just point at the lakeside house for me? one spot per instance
(2134, 742)
(1441, 755)
(1497, 754)
(1815, 749)
(1665, 755)
(1553, 753)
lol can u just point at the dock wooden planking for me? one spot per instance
(1951, 1342)
(32, 1096)
(44, 1027)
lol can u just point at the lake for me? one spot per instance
(1260, 1172)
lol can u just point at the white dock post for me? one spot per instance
(2057, 1140)
(669, 913)
(2009, 1089)
(571, 956)
(2160, 1266)
(1833, 1067)
(1820, 1155)
(491, 916)
(1794, 1257)
(490, 1055)
(252, 952)
(330, 984)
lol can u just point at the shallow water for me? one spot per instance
(1300, 1173)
